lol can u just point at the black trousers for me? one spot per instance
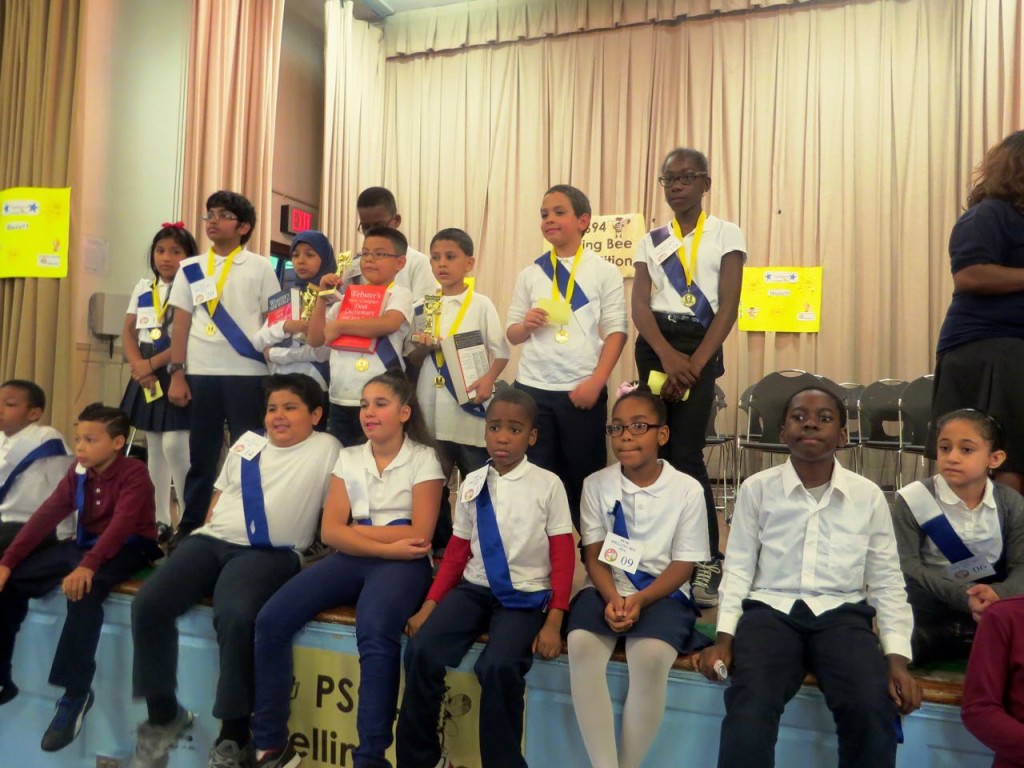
(940, 633)
(240, 579)
(237, 400)
(772, 651)
(74, 663)
(463, 614)
(570, 441)
(687, 420)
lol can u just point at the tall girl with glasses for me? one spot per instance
(661, 511)
(686, 294)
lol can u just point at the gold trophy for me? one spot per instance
(431, 320)
(331, 295)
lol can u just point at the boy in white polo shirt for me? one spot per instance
(264, 513)
(223, 296)
(568, 356)
(381, 259)
(508, 572)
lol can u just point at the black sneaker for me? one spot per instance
(176, 539)
(163, 533)
(7, 692)
(286, 758)
(67, 721)
(706, 578)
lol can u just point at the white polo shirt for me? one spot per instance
(546, 364)
(444, 416)
(347, 381)
(38, 481)
(247, 292)
(288, 354)
(530, 505)
(383, 497)
(784, 546)
(295, 482)
(668, 519)
(719, 238)
(978, 528)
(145, 286)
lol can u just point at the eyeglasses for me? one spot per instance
(219, 216)
(686, 179)
(375, 255)
(634, 427)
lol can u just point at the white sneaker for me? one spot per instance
(153, 742)
(227, 754)
(706, 578)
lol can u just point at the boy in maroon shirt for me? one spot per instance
(115, 538)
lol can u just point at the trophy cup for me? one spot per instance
(431, 320)
(331, 295)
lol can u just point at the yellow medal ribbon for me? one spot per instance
(211, 305)
(572, 275)
(690, 265)
(470, 283)
(157, 309)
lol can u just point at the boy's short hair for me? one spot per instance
(699, 158)
(397, 239)
(34, 393)
(840, 407)
(113, 419)
(371, 197)
(307, 390)
(514, 396)
(457, 236)
(236, 204)
(580, 202)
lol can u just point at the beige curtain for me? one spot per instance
(838, 134)
(353, 116)
(37, 90)
(232, 94)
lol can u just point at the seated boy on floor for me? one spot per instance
(264, 513)
(33, 459)
(812, 560)
(114, 540)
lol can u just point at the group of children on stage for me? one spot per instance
(813, 558)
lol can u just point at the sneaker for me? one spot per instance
(286, 758)
(227, 754)
(153, 742)
(7, 692)
(178, 537)
(315, 551)
(706, 578)
(164, 532)
(67, 721)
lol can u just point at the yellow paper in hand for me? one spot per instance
(558, 310)
(655, 381)
(153, 394)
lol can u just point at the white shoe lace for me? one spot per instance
(705, 572)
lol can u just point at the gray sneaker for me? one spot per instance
(153, 742)
(228, 754)
(706, 578)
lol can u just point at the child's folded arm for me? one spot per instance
(370, 327)
(909, 540)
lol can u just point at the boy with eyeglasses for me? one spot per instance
(380, 261)
(222, 297)
(686, 295)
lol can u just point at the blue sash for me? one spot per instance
(673, 269)
(52, 447)
(253, 505)
(642, 580)
(496, 564)
(952, 547)
(83, 538)
(474, 409)
(386, 353)
(224, 322)
(164, 342)
(579, 298)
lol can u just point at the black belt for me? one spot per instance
(678, 317)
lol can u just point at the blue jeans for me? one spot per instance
(386, 593)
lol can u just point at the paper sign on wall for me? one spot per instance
(781, 299)
(614, 238)
(34, 227)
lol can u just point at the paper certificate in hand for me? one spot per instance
(558, 310)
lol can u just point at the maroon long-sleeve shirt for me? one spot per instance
(993, 703)
(119, 503)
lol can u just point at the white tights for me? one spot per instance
(168, 457)
(648, 661)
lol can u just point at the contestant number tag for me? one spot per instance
(972, 569)
(249, 445)
(146, 318)
(203, 290)
(619, 552)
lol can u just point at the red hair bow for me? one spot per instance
(173, 225)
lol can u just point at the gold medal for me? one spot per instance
(362, 365)
(689, 299)
(211, 329)
(562, 336)
(154, 333)
(439, 381)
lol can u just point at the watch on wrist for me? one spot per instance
(173, 368)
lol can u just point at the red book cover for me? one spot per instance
(280, 307)
(360, 302)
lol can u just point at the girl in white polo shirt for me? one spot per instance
(380, 514)
(661, 511)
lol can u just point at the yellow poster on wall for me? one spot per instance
(34, 227)
(781, 299)
(325, 695)
(614, 238)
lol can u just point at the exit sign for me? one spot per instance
(295, 219)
